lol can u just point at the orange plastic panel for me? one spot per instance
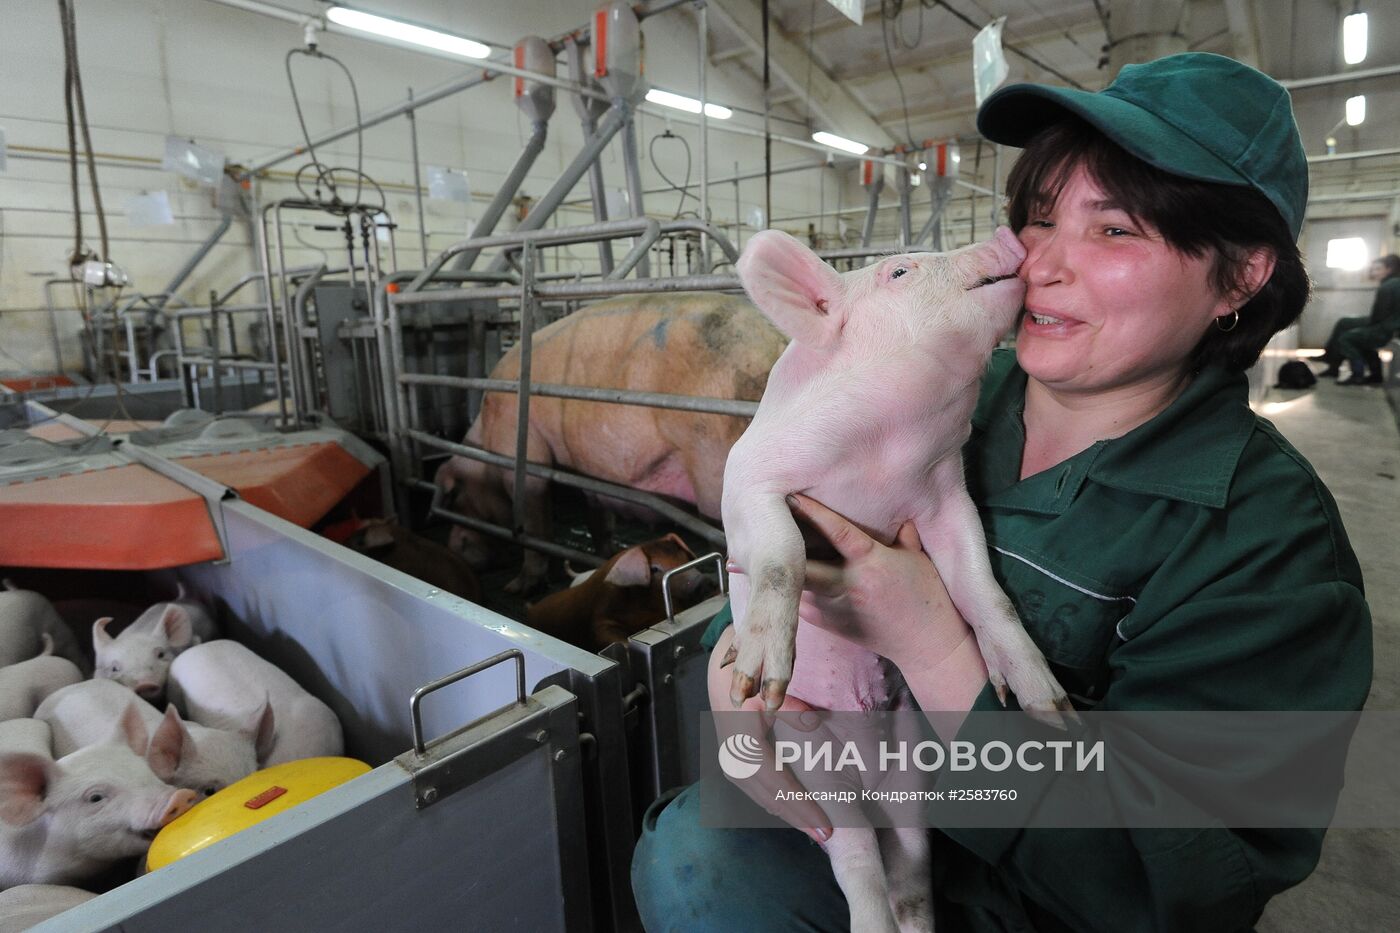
(300, 484)
(58, 431)
(35, 383)
(123, 518)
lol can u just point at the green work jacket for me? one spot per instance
(1195, 563)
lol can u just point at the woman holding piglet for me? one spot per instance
(1165, 548)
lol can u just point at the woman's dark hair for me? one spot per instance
(1391, 263)
(1196, 218)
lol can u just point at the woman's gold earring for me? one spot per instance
(1234, 322)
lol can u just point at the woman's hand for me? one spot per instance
(890, 600)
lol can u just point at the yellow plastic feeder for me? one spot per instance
(248, 802)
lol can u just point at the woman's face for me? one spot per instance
(1109, 304)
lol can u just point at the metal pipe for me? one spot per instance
(522, 406)
(417, 179)
(53, 324)
(704, 43)
(1345, 156)
(133, 373)
(906, 217)
(195, 259)
(589, 289)
(223, 309)
(1354, 196)
(299, 324)
(268, 292)
(504, 195)
(1362, 75)
(216, 369)
(557, 236)
(663, 508)
(615, 119)
(290, 330)
(588, 120)
(705, 405)
(537, 544)
(494, 70)
(638, 253)
(877, 185)
(632, 172)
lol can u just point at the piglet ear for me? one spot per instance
(676, 539)
(24, 781)
(630, 569)
(376, 535)
(168, 745)
(100, 638)
(131, 730)
(794, 289)
(176, 624)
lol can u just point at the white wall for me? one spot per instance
(216, 75)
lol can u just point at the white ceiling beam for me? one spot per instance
(728, 55)
(831, 104)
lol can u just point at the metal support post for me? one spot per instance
(877, 185)
(906, 187)
(704, 41)
(417, 179)
(522, 424)
(215, 368)
(616, 117)
(504, 195)
(633, 170)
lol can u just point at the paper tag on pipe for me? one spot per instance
(854, 10)
(448, 184)
(989, 68)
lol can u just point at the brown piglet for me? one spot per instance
(621, 597)
(435, 564)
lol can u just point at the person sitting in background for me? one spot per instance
(1359, 344)
(1332, 354)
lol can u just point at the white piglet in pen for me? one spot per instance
(140, 656)
(185, 754)
(221, 684)
(23, 686)
(866, 412)
(67, 821)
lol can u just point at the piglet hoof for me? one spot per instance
(1015, 663)
(774, 692)
(740, 688)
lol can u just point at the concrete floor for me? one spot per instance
(1350, 435)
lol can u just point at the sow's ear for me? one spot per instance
(793, 288)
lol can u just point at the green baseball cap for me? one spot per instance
(1197, 115)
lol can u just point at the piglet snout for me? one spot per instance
(180, 802)
(147, 690)
(992, 261)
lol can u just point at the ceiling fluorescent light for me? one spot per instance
(1354, 38)
(840, 142)
(406, 32)
(688, 104)
(1356, 110)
